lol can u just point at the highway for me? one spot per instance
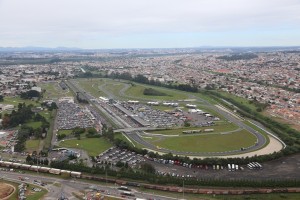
(56, 187)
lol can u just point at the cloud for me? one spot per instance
(89, 19)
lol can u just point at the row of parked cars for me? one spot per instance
(115, 155)
(230, 167)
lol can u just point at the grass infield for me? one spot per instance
(93, 146)
(206, 143)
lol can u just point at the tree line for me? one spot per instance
(145, 174)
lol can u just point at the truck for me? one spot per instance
(126, 193)
(233, 167)
(123, 188)
(229, 167)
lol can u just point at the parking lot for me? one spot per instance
(114, 155)
(283, 168)
(71, 115)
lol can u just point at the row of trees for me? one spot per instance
(146, 174)
(153, 92)
(78, 131)
(30, 94)
(33, 160)
(50, 107)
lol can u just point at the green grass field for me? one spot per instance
(66, 132)
(133, 92)
(138, 89)
(32, 145)
(16, 100)
(91, 86)
(34, 124)
(122, 137)
(93, 146)
(53, 90)
(35, 195)
(239, 99)
(207, 143)
(46, 114)
(114, 87)
(217, 129)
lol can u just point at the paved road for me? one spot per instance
(261, 140)
(58, 186)
(105, 110)
(135, 134)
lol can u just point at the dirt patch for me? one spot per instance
(6, 190)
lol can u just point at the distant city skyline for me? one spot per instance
(97, 24)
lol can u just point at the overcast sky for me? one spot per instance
(149, 23)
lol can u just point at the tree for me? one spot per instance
(30, 94)
(28, 159)
(92, 131)
(148, 168)
(187, 124)
(110, 134)
(53, 106)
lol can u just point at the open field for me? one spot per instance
(6, 189)
(46, 114)
(16, 100)
(239, 99)
(121, 137)
(217, 129)
(93, 146)
(53, 90)
(66, 132)
(137, 91)
(35, 195)
(34, 125)
(114, 87)
(207, 143)
(91, 86)
(32, 145)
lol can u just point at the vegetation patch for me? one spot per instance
(32, 145)
(153, 92)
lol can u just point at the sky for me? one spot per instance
(102, 24)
